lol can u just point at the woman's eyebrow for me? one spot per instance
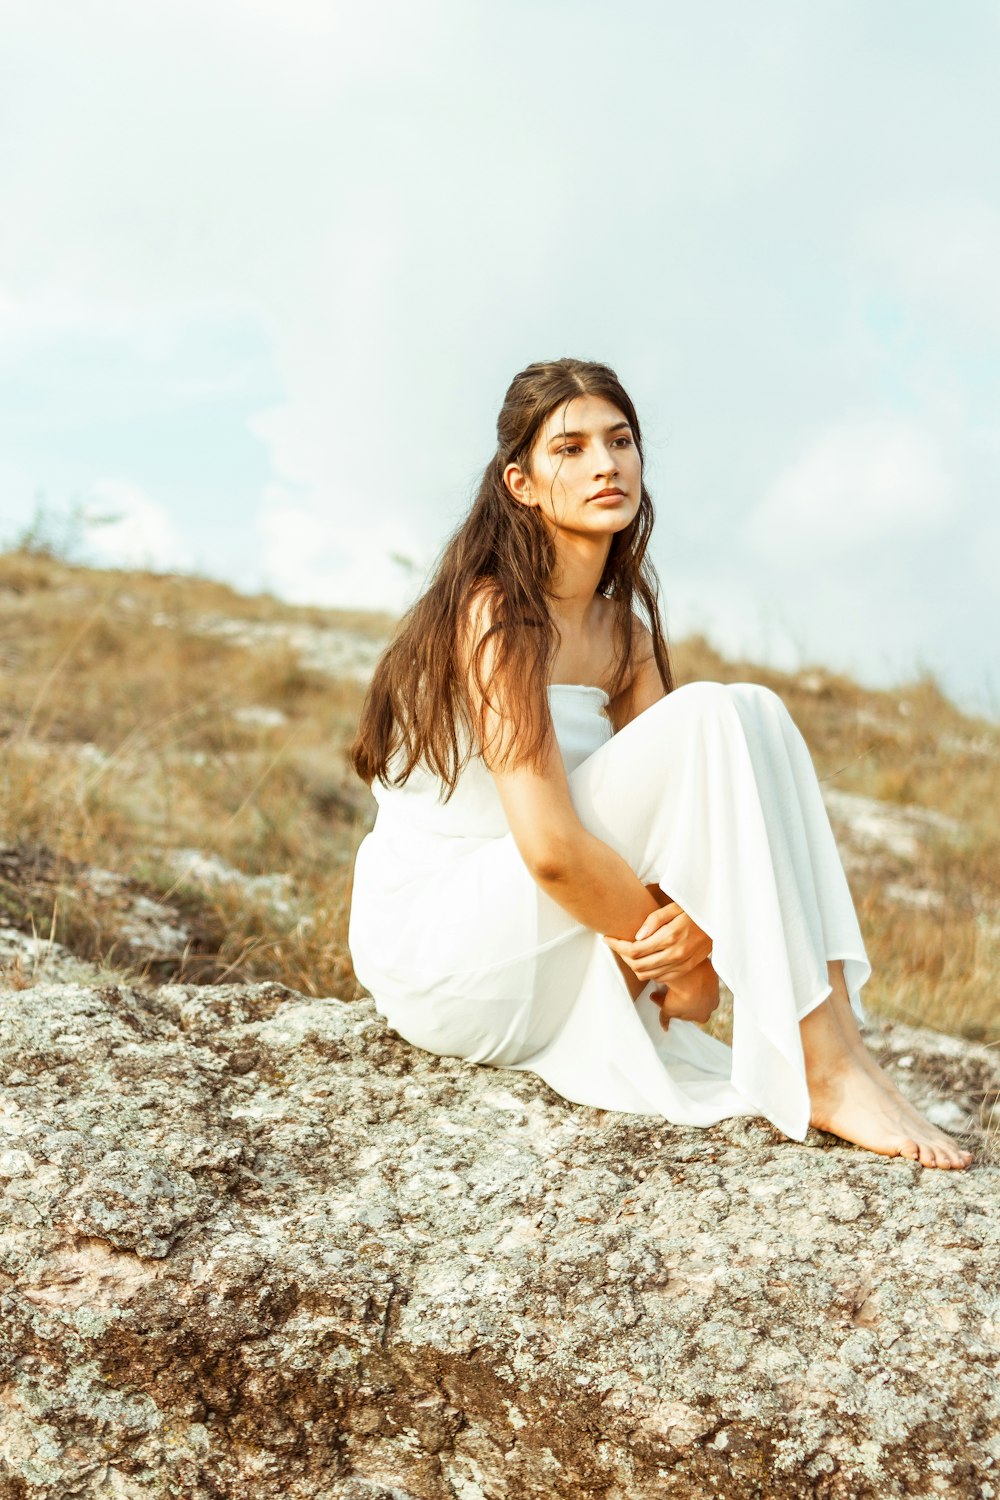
(560, 436)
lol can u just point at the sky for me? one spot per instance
(268, 266)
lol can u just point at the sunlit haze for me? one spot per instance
(267, 269)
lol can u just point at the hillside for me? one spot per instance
(253, 1243)
(176, 803)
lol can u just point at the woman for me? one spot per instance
(569, 853)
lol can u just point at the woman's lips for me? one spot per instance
(609, 496)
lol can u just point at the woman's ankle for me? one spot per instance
(825, 1047)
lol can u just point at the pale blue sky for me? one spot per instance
(267, 267)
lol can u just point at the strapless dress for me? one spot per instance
(711, 793)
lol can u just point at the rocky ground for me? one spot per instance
(251, 1244)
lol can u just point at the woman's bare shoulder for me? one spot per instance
(640, 653)
(642, 684)
(642, 638)
(476, 614)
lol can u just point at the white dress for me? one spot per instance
(712, 794)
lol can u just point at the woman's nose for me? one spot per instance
(605, 462)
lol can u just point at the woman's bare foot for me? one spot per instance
(850, 1104)
(849, 1100)
(844, 1014)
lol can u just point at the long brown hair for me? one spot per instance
(418, 703)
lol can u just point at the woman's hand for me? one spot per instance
(667, 946)
(670, 946)
(692, 998)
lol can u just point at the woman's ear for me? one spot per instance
(518, 484)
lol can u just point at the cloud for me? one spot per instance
(856, 484)
(338, 554)
(138, 532)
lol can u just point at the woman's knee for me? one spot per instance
(767, 709)
(705, 701)
(702, 695)
(756, 692)
(719, 702)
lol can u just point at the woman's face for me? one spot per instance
(583, 449)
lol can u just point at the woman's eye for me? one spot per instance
(575, 447)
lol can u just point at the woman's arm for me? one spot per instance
(581, 872)
(600, 889)
(591, 881)
(578, 870)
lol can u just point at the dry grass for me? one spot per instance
(170, 765)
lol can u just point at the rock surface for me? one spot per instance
(252, 1244)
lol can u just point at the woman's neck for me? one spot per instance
(579, 565)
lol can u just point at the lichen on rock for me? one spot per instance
(251, 1243)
